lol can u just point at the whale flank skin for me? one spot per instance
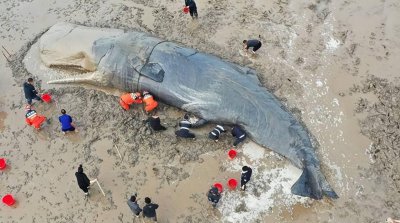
(202, 84)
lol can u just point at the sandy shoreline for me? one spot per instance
(317, 57)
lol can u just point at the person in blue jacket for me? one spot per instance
(239, 134)
(66, 122)
(149, 210)
(245, 177)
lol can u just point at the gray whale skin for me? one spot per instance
(202, 84)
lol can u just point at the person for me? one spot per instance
(149, 210)
(255, 44)
(66, 122)
(30, 91)
(183, 130)
(192, 8)
(150, 103)
(130, 98)
(155, 123)
(215, 133)
(83, 181)
(134, 206)
(32, 118)
(214, 196)
(239, 134)
(245, 177)
(390, 220)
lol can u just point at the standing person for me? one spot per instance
(149, 210)
(66, 122)
(155, 123)
(150, 103)
(255, 44)
(30, 91)
(130, 98)
(239, 134)
(32, 118)
(184, 126)
(245, 177)
(83, 180)
(215, 133)
(213, 196)
(192, 8)
(134, 206)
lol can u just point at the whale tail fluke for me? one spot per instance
(313, 184)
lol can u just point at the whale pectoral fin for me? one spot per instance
(313, 184)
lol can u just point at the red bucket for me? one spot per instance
(46, 98)
(232, 183)
(3, 163)
(8, 200)
(232, 154)
(186, 9)
(219, 187)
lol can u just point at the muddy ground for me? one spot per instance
(333, 63)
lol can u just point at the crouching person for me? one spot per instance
(128, 99)
(32, 118)
(216, 132)
(183, 130)
(213, 196)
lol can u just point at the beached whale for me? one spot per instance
(213, 89)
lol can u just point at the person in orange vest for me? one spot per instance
(130, 98)
(150, 103)
(32, 118)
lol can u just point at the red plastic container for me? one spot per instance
(232, 154)
(219, 187)
(8, 200)
(3, 163)
(232, 183)
(46, 98)
(186, 9)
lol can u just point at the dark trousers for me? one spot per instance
(184, 133)
(193, 12)
(68, 130)
(243, 183)
(257, 47)
(29, 100)
(239, 140)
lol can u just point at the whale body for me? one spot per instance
(205, 85)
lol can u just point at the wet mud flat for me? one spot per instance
(313, 52)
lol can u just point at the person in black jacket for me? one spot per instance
(83, 180)
(213, 196)
(245, 178)
(192, 8)
(149, 210)
(184, 126)
(30, 92)
(155, 123)
(239, 134)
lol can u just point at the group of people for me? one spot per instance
(214, 195)
(252, 43)
(36, 120)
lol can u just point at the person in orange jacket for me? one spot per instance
(150, 103)
(130, 98)
(32, 118)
